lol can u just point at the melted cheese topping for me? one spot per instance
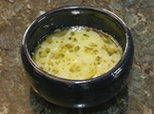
(77, 53)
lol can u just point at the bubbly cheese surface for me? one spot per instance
(77, 53)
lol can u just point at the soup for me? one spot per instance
(77, 53)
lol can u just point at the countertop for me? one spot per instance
(16, 95)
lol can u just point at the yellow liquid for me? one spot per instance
(77, 53)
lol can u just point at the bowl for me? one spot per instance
(77, 93)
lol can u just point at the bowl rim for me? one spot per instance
(112, 73)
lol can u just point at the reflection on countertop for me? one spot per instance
(118, 105)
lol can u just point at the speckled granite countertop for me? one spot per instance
(16, 96)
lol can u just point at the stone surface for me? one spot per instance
(16, 96)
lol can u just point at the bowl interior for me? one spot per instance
(67, 17)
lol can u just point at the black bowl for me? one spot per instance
(77, 93)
